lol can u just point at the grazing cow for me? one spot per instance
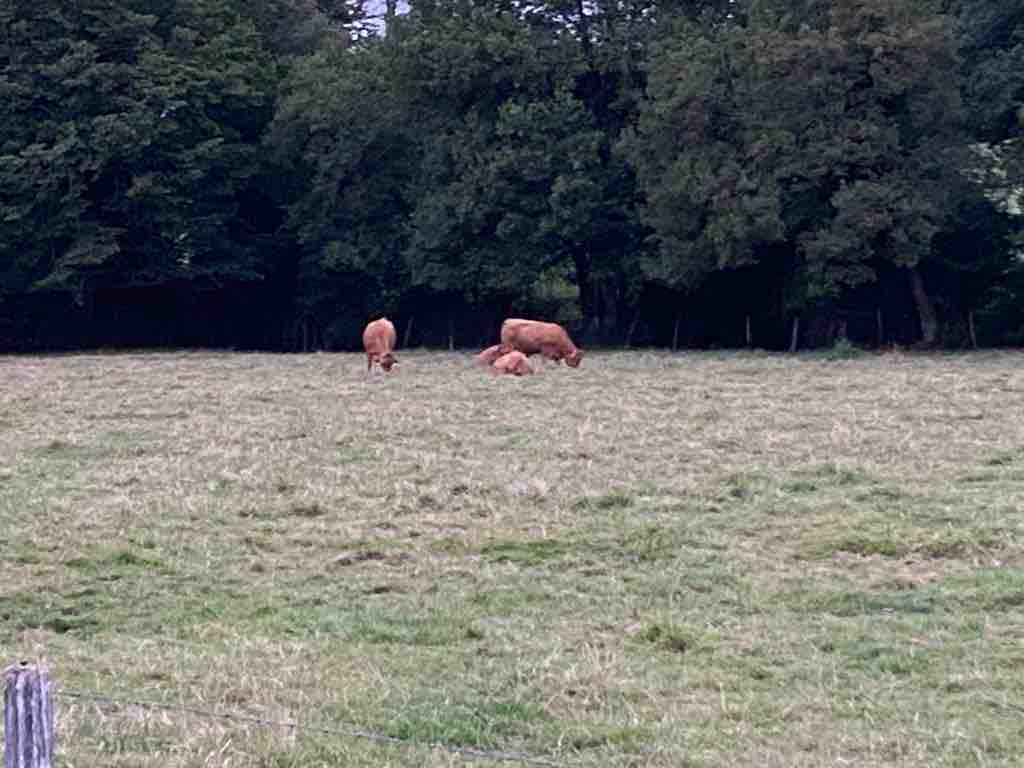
(489, 355)
(379, 342)
(513, 362)
(533, 336)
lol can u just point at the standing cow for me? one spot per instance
(514, 363)
(548, 339)
(379, 342)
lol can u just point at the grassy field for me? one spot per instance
(653, 560)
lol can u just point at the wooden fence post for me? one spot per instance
(28, 717)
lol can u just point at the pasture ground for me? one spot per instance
(653, 560)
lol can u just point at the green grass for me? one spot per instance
(524, 553)
(658, 560)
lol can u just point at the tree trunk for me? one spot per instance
(925, 308)
(408, 333)
(390, 12)
(623, 307)
(794, 338)
(675, 332)
(582, 263)
(970, 329)
(451, 331)
(584, 31)
(610, 317)
(749, 338)
(599, 320)
(880, 325)
(632, 329)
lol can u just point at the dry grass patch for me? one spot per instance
(655, 559)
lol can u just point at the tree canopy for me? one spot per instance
(274, 173)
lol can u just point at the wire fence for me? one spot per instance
(337, 729)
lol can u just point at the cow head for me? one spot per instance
(573, 360)
(387, 360)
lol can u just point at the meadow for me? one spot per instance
(694, 559)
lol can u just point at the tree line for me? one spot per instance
(270, 174)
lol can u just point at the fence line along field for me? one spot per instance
(651, 560)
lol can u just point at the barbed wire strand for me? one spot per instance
(347, 731)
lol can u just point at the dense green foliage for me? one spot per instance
(273, 173)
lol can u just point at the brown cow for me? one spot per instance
(379, 342)
(489, 355)
(533, 336)
(513, 362)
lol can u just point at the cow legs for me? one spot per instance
(551, 354)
